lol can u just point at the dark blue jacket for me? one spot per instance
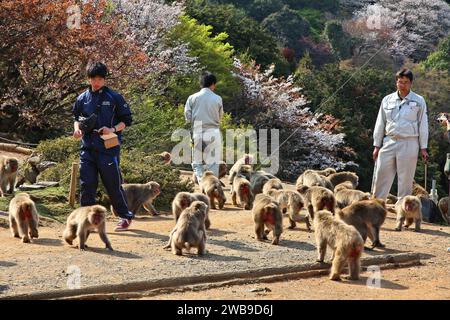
(114, 110)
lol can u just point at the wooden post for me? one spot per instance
(73, 184)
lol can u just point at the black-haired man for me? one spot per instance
(100, 111)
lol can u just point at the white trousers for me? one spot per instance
(396, 157)
(207, 149)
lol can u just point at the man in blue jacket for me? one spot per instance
(100, 111)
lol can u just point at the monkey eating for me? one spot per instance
(409, 208)
(23, 218)
(266, 213)
(190, 230)
(141, 195)
(241, 190)
(345, 241)
(8, 173)
(82, 221)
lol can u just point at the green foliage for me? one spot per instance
(341, 42)
(315, 19)
(439, 59)
(245, 34)
(214, 55)
(58, 150)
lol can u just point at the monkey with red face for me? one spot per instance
(410, 209)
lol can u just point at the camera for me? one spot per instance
(443, 118)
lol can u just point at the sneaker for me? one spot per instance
(123, 225)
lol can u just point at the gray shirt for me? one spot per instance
(402, 119)
(204, 106)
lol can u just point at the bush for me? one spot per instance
(58, 150)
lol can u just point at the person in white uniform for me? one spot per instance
(401, 130)
(204, 111)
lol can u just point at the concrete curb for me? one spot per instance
(132, 289)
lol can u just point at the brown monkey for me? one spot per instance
(339, 177)
(310, 178)
(247, 159)
(266, 212)
(409, 208)
(190, 230)
(223, 170)
(343, 239)
(165, 157)
(342, 186)
(443, 205)
(419, 191)
(23, 218)
(184, 199)
(141, 195)
(317, 198)
(346, 197)
(391, 199)
(82, 221)
(272, 184)
(258, 179)
(367, 217)
(292, 203)
(325, 172)
(211, 186)
(8, 174)
(241, 189)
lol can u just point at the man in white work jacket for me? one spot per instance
(204, 111)
(400, 132)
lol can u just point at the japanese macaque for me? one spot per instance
(339, 177)
(184, 199)
(346, 197)
(258, 179)
(8, 174)
(325, 172)
(342, 186)
(345, 241)
(222, 169)
(247, 160)
(241, 190)
(310, 178)
(23, 218)
(165, 157)
(291, 202)
(443, 206)
(419, 191)
(409, 210)
(266, 213)
(190, 230)
(211, 186)
(367, 217)
(391, 199)
(317, 198)
(272, 184)
(82, 221)
(141, 195)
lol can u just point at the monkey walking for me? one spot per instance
(241, 190)
(291, 202)
(246, 160)
(317, 198)
(410, 209)
(273, 183)
(23, 218)
(190, 230)
(8, 173)
(212, 187)
(310, 178)
(266, 213)
(141, 195)
(82, 221)
(345, 241)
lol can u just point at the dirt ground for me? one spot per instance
(45, 264)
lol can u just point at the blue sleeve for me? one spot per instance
(123, 110)
(76, 110)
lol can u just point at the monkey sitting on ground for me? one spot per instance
(190, 230)
(346, 197)
(247, 160)
(343, 186)
(272, 184)
(266, 212)
(241, 189)
(409, 208)
(291, 202)
(345, 241)
(184, 199)
(82, 221)
(367, 217)
(211, 186)
(317, 198)
(141, 195)
(339, 177)
(23, 218)
(310, 178)
(8, 174)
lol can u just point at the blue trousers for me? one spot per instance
(92, 164)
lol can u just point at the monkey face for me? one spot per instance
(13, 165)
(411, 205)
(97, 217)
(244, 189)
(185, 202)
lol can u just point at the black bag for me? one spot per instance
(87, 125)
